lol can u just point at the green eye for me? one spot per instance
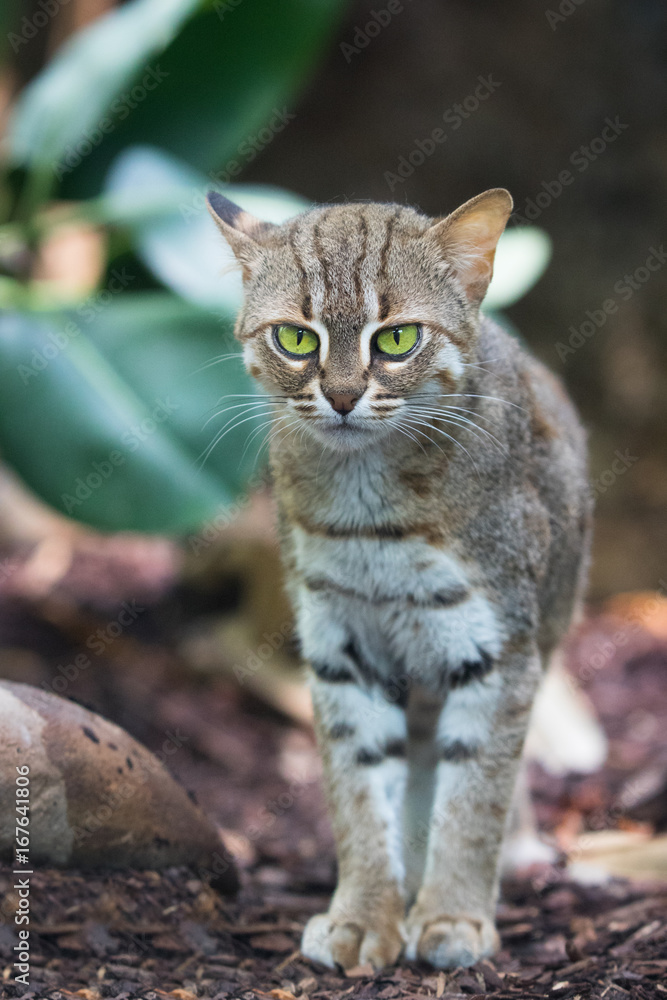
(296, 339)
(396, 340)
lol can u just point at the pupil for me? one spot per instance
(299, 337)
(397, 336)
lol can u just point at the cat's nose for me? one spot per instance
(343, 402)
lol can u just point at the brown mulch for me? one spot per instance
(150, 935)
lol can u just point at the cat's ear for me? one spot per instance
(468, 237)
(239, 228)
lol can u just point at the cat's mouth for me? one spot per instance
(342, 427)
(343, 434)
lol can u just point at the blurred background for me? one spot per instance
(126, 479)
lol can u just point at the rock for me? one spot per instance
(97, 796)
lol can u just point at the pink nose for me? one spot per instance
(342, 402)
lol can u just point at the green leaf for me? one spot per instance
(102, 411)
(182, 246)
(521, 259)
(69, 100)
(219, 80)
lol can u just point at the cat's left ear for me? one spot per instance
(468, 237)
(239, 228)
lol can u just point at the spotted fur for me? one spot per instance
(435, 532)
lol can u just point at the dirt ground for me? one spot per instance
(147, 934)
(150, 935)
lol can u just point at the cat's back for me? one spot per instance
(547, 422)
(547, 441)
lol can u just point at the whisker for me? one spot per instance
(237, 406)
(222, 434)
(272, 429)
(477, 395)
(262, 446)
(249, 395)
(258, 430)
(462, 409)
(317, 470)
(471, 423)
(293, 428)
(469, 395)
(400, 427)
(488, 371)
(458, 444)
(302, 437)
(480, 364)
(463, 422)
(453, 422)
(252, 395)
(455, 418)
(216, 361)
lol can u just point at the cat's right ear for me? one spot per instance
(240, 230)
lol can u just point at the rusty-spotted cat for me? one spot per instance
(434, 511)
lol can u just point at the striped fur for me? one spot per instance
(435, 538)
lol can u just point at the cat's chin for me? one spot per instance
(345, 437)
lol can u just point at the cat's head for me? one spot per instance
(353, 313)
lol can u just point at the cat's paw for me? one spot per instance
(341, 943)
(450, 940)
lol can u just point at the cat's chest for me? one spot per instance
(363, 532)
(370, 584)
(395, 606)
(377, 568)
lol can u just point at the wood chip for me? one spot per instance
(287, 961)
(360, 971)
(169, 942)
(279, 943)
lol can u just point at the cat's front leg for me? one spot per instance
(362, 738)
(480, 738)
